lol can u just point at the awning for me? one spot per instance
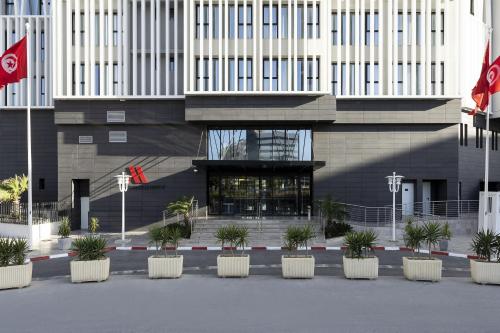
(258, 164)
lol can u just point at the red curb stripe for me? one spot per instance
(139, 247)
(169, 248)
(343, 247)
(440, 253)
(472, 257)
(72, 254)
(259, 248)
(378, 248)
(228, 248)
(199, 248)
(284, 248)
(405, 249)
(320, 248)
(40, 258)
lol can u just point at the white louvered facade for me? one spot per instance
(104, 49)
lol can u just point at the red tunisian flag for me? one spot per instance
(493, 76)
(13, 64)
(480, 93)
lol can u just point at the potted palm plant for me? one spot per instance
(294, 265)
(183, 207)
(64, 241)
(91, 264)
(12, 189)
(358, 263)
(15, 272)
(165, 266)
(94, 225)
(422, 268)
(230, 263)
(483, 270)
(446, 236)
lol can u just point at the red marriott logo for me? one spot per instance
(138, 175)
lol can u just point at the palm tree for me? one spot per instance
(331, 210)
(182, 207)
(12, 189)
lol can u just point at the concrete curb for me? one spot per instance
(253, 248)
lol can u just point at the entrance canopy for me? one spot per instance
(258, 165)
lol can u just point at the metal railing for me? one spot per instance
(381, 216)
(42, 212)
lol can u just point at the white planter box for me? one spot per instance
(233, 266)
(64, 243)
(485, 272)
(297, 267)
(89, 271)
(364, 268)
(422, 269)
(165, 267)
(18, 276)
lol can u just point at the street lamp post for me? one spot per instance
(123, 181)
(394, 182)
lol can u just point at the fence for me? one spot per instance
(42, 212)
(381, 216)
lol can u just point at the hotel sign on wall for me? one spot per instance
(137, 174)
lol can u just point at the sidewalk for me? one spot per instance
(458, 244)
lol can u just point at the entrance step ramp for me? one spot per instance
(269, 232)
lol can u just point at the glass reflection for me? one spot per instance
(260, 144)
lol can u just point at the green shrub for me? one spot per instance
(429, 233)
(90, 248)
(337, 229)
(432, 234)
(163, 236)
(359, 243)
(234, 235)
(414, 236)
(298, 236)
(12, 251)
(94, 225)
(64, 228)
(184, 229)
(485, 244)
(445, 231)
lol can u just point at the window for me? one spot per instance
(461, 140)
(241, 74)
(284, 75)
(352, 28)
(368, 79)
(9, 7)
(494, 140)
(375, 28)
(215, 74)
(310, 21)
(471, 5)
(343, 29)
(284, 21)
(466, 135)
(231, 21)
(477, 137)
(215, 19)
(41, 184)
(334, 28)
(434, 28)
(171, 65)
(115, 79)
(202, 75)
(300, 21)
(81, 85)
(115, 29)
(202, 14)
(97, 73)
(42, 46)
(433, 79)
(400, 28)
(231, 74)
(85, 139)
(285, 144)
(242, 23)
(42, 90)
(270, 78)
(312, 74)
(334, 79)
(117, 136)
(300, 75)
(270, 22)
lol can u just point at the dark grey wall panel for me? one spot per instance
(358, 157)
(13, 149)
(398, 111)
(260, 108)
(137, 111)
(165, 152)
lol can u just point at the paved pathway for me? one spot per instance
(197, 303)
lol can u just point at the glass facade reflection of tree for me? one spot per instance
(260, 144)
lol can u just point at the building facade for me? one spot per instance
(254, 107)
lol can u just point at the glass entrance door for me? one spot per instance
(259, 195)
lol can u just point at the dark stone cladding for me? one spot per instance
(260, 108)
(158, 140)
(13, 149)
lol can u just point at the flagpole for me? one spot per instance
(487, 154)
(28, 111)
